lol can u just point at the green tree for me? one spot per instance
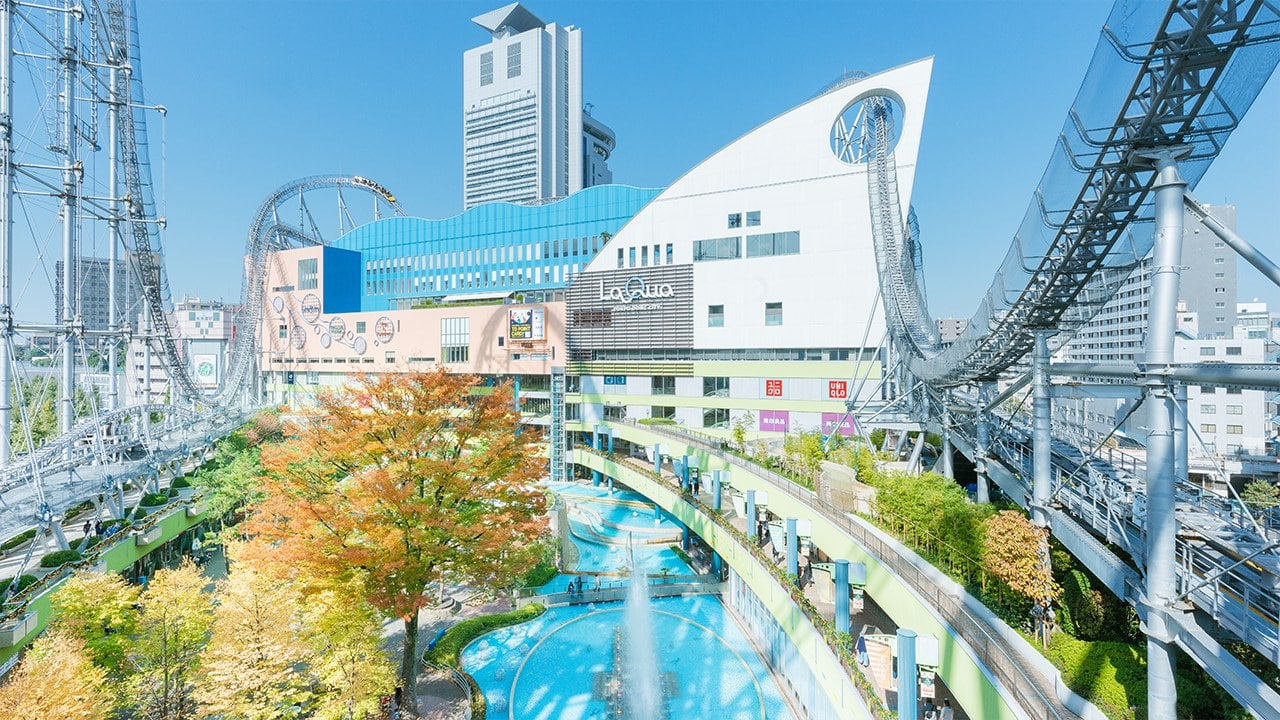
(401, 479)
(741, 427)
(98, 609)
(349, 667)
(172, 631)
(1261, 495)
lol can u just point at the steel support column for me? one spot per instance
(1161, 524)
(985, 391)
(753, 518)
(1042, 432)
(842, 595)
(908, 674)
(1180, 434)
(793, 549)
(948, 470)
(6, 228)
(69, 212)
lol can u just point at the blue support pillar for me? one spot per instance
(657, 459)
(752, 517)
(595, 438)
(842, 596)
(515, 393)
(716, 564)
(686, 537)
(609, 433)
(595, 477)
(793, 549)
(908, 680)
(716, 501)
(610, 486)
(686, 482)
(657, 511)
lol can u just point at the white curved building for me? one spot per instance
(748, 284)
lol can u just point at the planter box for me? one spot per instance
(148, 536)
(15, 631)
(186, 493)
(196, 509)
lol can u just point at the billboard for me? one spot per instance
(829, 421)
(206, 369)
(775, 421)
(526, 323)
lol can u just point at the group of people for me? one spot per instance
(936, 712)
(577, 585)
(98, 528)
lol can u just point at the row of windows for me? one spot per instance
(1213, 428)
(513, 64)
(1210, 351)
(631, 255)
(1231, 409)
(763, 245)
(772, 314)
(753, 219)
(564, 247)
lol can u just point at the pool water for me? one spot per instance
(548, 668)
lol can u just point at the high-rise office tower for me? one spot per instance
(526, 135)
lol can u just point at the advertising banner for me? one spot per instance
(206, 367)
(775, 421)
(829, 421)
(526, 323)
(773, 388)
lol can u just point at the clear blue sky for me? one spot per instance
(260, 93)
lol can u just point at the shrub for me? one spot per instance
(457, 637)
(59, 558)
(17, 540)
(75, 510)
(541, 574)
(154, 499)
(680, 553)
(140, 513)
(23, 583)
(657, 421)
(1086, 605)
(180, 482)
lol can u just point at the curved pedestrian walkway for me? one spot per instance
(1033, 684)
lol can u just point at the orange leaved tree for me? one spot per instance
(400, 480)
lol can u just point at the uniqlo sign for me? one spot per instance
(773, 388)
(838, 389)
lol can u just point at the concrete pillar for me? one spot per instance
(595, 438)
(657, 459)
(752, 517)
(842, 596)
(793, 549)
(610, 486)
(1161, 523)
(908, 674)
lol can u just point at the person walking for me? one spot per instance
(947, 713)
(87, 527)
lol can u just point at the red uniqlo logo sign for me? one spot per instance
(838, 389)
(773, 388)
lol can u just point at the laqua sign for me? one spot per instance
(635, 288)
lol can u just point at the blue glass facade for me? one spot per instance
(492, 248)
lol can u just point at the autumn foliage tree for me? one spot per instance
(57, 680)
(1016, 552)
(173, 629)
(402, 479)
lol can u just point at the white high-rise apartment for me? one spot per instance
(525, 134)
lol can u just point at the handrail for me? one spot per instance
(1006, 665)
(460, 679)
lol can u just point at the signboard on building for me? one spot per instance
(526, 323)
(775, 421)
(830, 420)
(206, 369)
(838, 389)
(773, 388)
(630, 309)
(615, 379)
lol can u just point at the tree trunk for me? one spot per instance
(409, 666)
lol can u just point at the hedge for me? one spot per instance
(180, 482)
(154, 499)
(457, 637)
(59, 558)
(23, 583)
(17, 540)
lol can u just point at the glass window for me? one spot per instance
(773, 313)
(1219, 275)
(284, 331)
(671, 253)
(715, 418)
(715, 316)
(783, 243)
(1234, 350)
(1208, 427)
(1235, 429)
(1207, 352)
(665, 412)
(1208, 389)
(455, 339)
(620, 257)
(644, 256)
(735, 220)
(1219, 261)
(753, 218)
(513, 60)
(631, 257)
(717, 249)
(664, 385)
(715, 387)
(390, 356)
(1235, 409)
(486, 68)
(360, 326)
(308, 274)
(1208, 409)
(1234, 391)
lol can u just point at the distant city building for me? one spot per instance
(951, 328)
(526, 136)
(136, 389)
(92, 283)
(1254, 321)
(1226, 422)
(206, 329)
(1206, 307)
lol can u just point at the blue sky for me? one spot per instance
(260, 93)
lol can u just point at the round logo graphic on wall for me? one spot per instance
(310, 308)
(298, 337)
(635, 288)
(337, 327)
(384, 330)
(204, 369)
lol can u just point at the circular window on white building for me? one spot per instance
(865, 125)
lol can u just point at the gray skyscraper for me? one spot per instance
(92, 284)
(526, 136)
